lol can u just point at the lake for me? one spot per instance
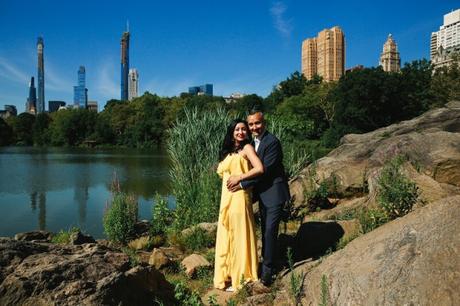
(58, 188)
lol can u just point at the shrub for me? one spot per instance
(185, 296)
(296, 280)
(396, 194)
(370, 219)
(63, 237)
(162, 216)
(120, 217)
(197, 240)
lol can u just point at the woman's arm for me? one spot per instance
(257, 167)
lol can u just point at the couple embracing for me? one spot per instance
(252, 170)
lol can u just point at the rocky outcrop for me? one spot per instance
(413, 260)
(89, 274)
(430, 142)
(192, 262)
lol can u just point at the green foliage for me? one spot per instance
(63, 237)
(370, 219)
(445, 84)
(40, 129)
(324, 291)
(396, 194)
(212, 300)
(120, 217)
(6, 133)
(132, 255)
(193, 148)
(185, 296)
(296, 280)
(198, 239)
(22, 127)
(162, 216)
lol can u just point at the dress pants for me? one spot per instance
(270, 220)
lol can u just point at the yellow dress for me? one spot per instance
(236, 245)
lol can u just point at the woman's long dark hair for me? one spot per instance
(228, 145)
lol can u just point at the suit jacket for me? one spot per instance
(271, 187)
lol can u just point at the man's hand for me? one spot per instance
(233, 183)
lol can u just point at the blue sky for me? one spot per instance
(239, 46)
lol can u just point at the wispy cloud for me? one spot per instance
(11, 72)
(106, 85)
(281, 24)
(55, 81)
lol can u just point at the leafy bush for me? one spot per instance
(197, 240)
(370, 219)
(324, 291)
(63, 237)
(185, 296)
(296, 280)
(162, 216)
(120, 217)
(396, 193)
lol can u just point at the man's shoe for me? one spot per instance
(266, 280)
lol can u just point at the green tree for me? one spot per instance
(22, 128)
(40, 129)
(6, 133)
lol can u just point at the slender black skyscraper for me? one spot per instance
(31, 105)
(124, 64)
(41, 77)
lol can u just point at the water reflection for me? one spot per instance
(56, 189)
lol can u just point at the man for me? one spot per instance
(270, 189)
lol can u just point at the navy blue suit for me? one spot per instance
(272, 191)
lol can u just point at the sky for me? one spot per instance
(238, 46)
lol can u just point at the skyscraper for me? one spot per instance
(124, 65)
(41, 77)
(80, 93)
(446, 41)
(133, 84)
(324, 55)
(31, 105)
(202, 90)
(389, 59)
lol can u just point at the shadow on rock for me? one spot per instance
(312, 240)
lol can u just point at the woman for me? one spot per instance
(236, 249)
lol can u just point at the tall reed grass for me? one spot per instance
(193, 147)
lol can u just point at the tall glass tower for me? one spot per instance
(124, 65)
(41, 77)
(31, 105)
(80, 93)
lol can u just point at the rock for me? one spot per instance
(34, 235)
(430, 142)
(78, 237)
(158, 259)
(413, 260)
(89, 274)
(139, 243)
(192, 262)
(210, 228)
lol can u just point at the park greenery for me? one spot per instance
(311, 110)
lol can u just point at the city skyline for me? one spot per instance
(238, 47)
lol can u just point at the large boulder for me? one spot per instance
(430, 142)
(413, 260)
(89, 274)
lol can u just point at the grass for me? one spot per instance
(324, 292)
(295, 280)
(63, 237)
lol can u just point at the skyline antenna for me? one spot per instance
(127, 25)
